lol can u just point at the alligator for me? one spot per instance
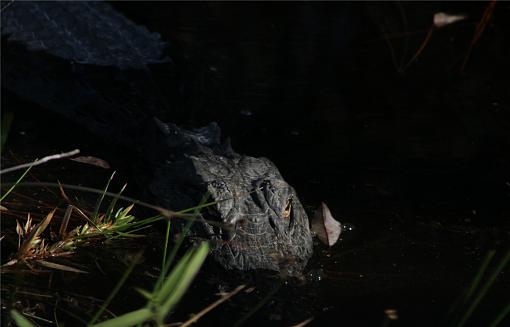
(59, 55)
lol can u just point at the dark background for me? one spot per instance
(415, 155)
(324, 91)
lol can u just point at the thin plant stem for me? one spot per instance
(101, 198)
(40, 161)
(480, 27)
(178, 244)
(474, 283)
(422, 47)
(116, 289)
(258, 306)
(224, 298)
(16, 183)
(109, 212)
(501, 315)
(167, 241)
(167, 214)
(392, 52)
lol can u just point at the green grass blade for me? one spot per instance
(201, 206)
(161, 292)
(467, 294)
(165, 248)
(177, 245)
(478, 277)
(101, 198)
(128, 319)
(16, 183)
(109, 212)
(185, 231)
(485, 288)
(121, 282)
(191, 269)
(146, 294)
(20, 320)
(502, 315)
(131, 227)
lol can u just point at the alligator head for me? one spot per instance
(262, 224)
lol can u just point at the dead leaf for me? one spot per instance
(19, 229)
(391, 314)
(326, 228)
(65, 221)
(442, 19)
(59, 266)
(304, 323)
(94, 161)
(63, 193)
(32, 233)
(10, 263)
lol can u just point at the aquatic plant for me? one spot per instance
(38, 247)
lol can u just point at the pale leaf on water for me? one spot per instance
(326, 228)
(442, 19)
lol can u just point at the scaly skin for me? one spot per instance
(265, 225)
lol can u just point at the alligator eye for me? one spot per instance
(288, 209)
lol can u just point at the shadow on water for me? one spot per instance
(417, 160)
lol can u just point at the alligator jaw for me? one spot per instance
(270, 227)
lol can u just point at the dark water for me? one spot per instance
(416, 158)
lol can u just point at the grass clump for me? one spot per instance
(40, 246)
(36, 245)
(33, 248)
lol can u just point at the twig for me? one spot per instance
(40, 161)
(204, 311)
(480, 27)
(421, 48)
(258, 306)
(6, 5)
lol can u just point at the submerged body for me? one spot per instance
(261, 223)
